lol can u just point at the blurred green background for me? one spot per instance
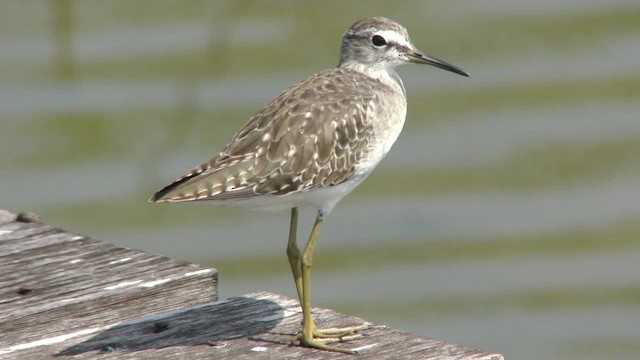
(506, 218)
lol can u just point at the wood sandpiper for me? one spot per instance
(312, 145)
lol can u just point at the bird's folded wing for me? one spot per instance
(310, 136)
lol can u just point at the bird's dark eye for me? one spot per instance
(378, 40)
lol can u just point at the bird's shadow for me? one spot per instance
(207, 324)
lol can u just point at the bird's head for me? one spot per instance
(379, 43)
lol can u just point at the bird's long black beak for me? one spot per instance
(422, 58)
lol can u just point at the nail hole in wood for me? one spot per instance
(24, 291)
(160, 326)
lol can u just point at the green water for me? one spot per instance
(505, 218)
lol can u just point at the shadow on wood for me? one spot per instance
(209, 324)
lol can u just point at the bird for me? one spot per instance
(311, 146)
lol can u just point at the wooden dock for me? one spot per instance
(66, 295)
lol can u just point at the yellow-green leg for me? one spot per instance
(293, 253)
(310, 335)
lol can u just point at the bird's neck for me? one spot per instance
(385, 74)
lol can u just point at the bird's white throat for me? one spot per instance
(386, 73)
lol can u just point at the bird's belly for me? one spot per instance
(324, 198)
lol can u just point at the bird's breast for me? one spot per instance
(388, 117)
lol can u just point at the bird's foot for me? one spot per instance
(320, 338)
(339, 332)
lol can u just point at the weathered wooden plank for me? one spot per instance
(66, 295)
(54, 282)
(256, 326)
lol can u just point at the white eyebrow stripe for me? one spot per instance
(394, 37)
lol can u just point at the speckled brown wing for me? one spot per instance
(310, 136)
